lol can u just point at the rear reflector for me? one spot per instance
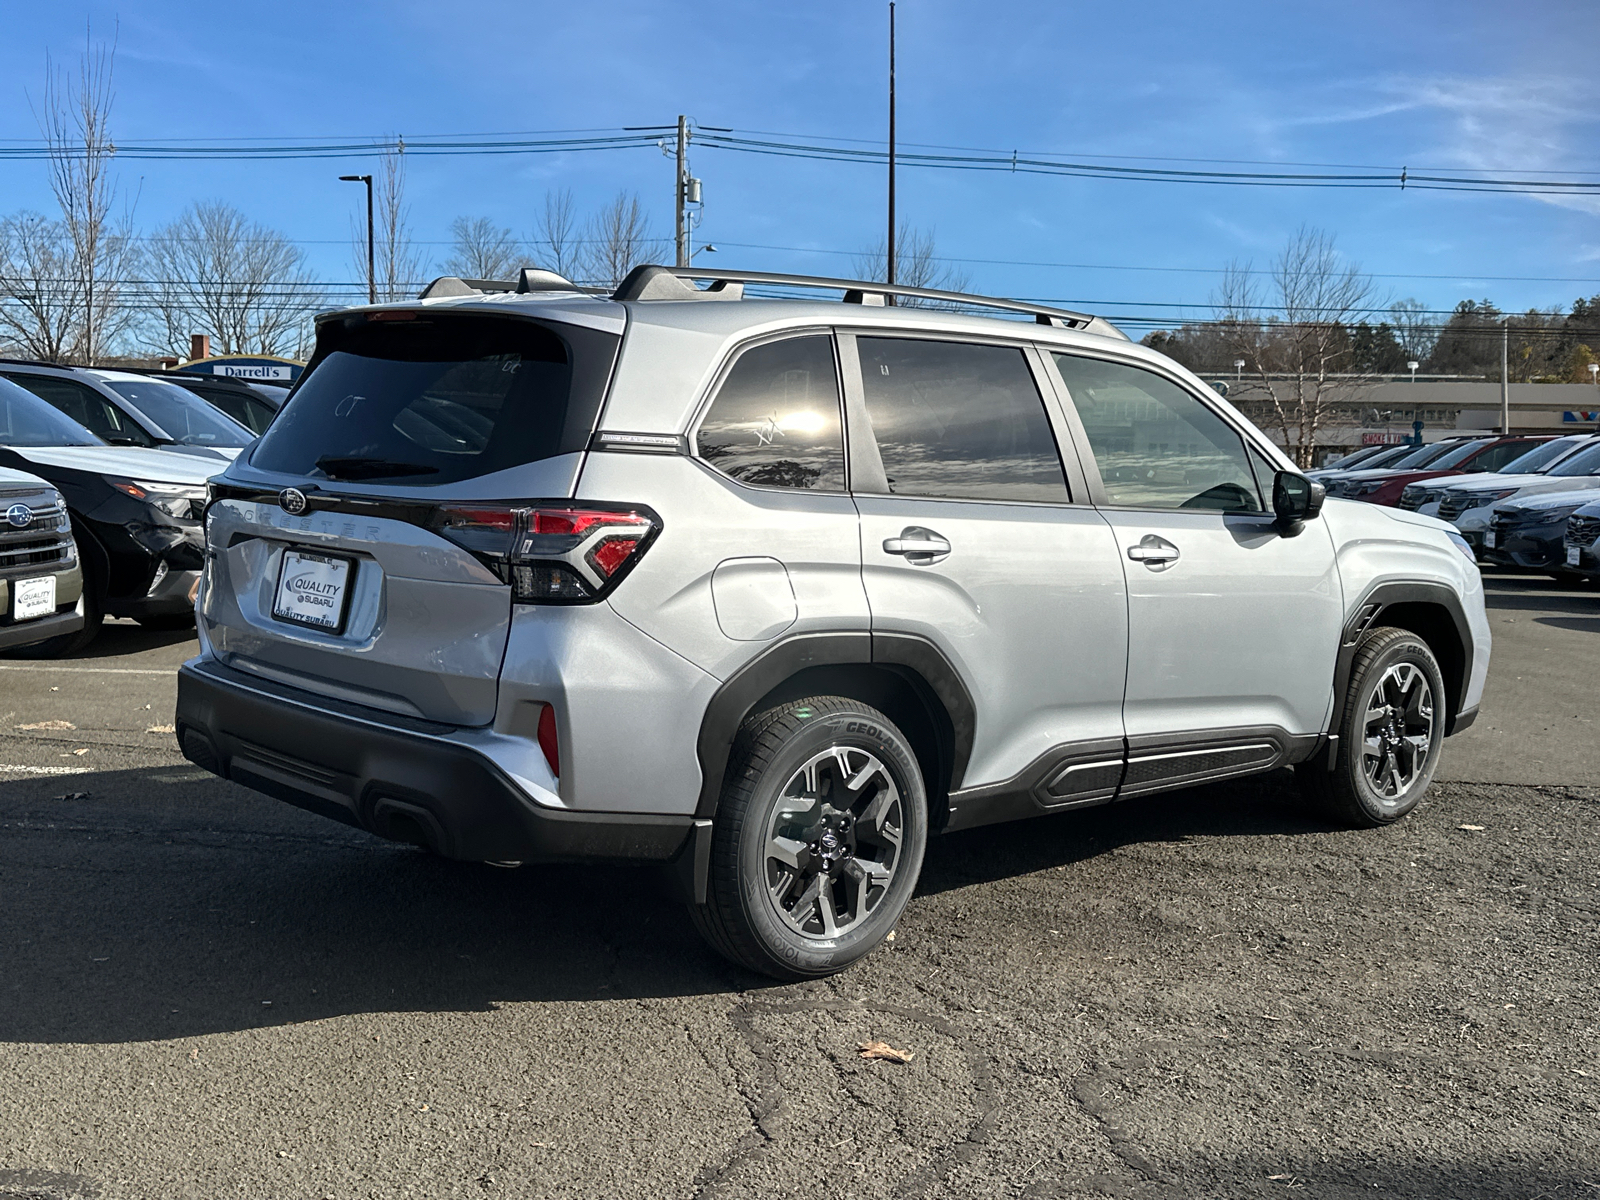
(555, 553)
(547, 740)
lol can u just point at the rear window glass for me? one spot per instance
(439, 398)
(188, 419)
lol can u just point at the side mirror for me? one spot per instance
(1295, 499)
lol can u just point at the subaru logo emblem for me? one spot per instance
(20, 516)
(293, 501)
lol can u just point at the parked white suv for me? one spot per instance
(768, 590)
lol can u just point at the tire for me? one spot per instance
(168, 621)
(71, 643)
(806, 874)
(1378, 780)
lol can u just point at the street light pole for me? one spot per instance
(372, 274)
(1505, 377)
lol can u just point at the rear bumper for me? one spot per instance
(397, 777)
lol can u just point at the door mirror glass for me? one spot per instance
(1295, 498)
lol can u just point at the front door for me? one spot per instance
(973, 540)
(1233, 623)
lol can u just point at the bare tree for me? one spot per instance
(1299, 359)
(245, 285)
(75, 121)
(397, 263)
(916, 264)
(558, 234)
(40, 310)
(1417, 334)
(482, 250)
(618, 239)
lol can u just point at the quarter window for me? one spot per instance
(1157, 446)
(954, 419)
(775, 421)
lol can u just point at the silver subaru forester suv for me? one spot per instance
(768, 590)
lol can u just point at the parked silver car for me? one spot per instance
(769, 590)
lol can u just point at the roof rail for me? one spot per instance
(673, 283)
(532, 279)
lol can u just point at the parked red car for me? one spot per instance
(1467, 458)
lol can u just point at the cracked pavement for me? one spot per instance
(207, 993)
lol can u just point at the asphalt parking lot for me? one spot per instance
(206, 993)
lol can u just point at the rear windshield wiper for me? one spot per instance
(335, 467)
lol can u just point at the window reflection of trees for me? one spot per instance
(775, 420)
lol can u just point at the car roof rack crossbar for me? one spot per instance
(652, 282)
(531, 279)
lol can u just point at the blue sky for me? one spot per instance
(1465, 84)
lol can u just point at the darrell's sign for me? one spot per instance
(262, 367)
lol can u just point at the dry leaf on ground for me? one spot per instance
(47, 725)
(160, 729)
(1471, 828)
(884, 1051)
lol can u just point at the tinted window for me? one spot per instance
(254, 413)
(775, 421)
(88, 408)
(1426, 456)
(26, 420)
(1496, 457)
(1452, 458)
(439, 398)
(1156, 445)
(188, 419)
(959, 420)
(1540, 457)
(1388, 458)
(1585, 462)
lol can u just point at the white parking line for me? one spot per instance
(17, 769)
(86, 670)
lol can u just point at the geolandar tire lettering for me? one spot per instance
(818, 840)
(1391, 730)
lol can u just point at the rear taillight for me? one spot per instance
(547, 740)
(551, 553)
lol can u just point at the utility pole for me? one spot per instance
(1505, 376)
(372, 274)
(890, 256)
(682, 215)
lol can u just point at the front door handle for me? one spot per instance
(919, 546)
(1154, 552)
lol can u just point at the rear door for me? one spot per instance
(409, 447)
(1233, 626)
(976, 538)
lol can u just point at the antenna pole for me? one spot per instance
(890, 258)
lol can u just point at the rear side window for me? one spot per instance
(958, 420)
(439, 398)
(775, 420)
(88, 408)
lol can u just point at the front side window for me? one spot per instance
(1157, 446)
(775, 420)
(188, 419)
(958, 420)
(1496, 457)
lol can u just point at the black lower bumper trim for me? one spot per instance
(1462, 720)
(29, 633)
(397, 782)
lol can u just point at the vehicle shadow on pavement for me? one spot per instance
(1256, 806)
(163, 903)
(118, 639)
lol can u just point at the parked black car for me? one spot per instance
(1531, 532)
(1583, 541)
(136, 515)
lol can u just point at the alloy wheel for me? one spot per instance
(833, 844)
(1397, 730)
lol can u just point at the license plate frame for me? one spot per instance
(1574, 556)
(33, 597)
(303, 611)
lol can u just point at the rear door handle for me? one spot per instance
(919, 546)
(1154, 552)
